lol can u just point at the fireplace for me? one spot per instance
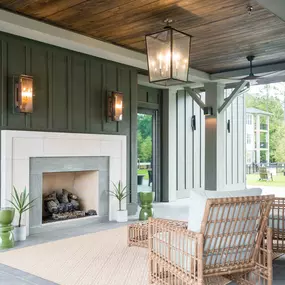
(29, 158)
(87, 178)
(69, 195)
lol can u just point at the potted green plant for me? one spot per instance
(22, 204)
(120, 193)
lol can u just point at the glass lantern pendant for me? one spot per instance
(168, 56)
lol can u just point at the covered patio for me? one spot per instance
(74, 76)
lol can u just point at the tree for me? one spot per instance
(144, 137)
(279, 154)
(146, 150)
(145, 125)
(140, 141)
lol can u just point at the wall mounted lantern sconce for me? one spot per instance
(115, 106)
(193, 123)
(208, 111)
(23, 93)
(229, 126)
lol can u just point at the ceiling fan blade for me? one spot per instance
(270, 74)
(268, 80)
(274, 76)
(251, 77)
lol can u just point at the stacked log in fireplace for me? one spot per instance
(64, 205)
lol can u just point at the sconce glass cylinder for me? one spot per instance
(115, 106)
(168, 56)
(23, 93)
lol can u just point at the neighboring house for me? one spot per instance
(257, 136)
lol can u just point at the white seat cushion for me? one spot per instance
(198, 200)
(178, 249)
(175, 250)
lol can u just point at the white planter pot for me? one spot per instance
(122, 216)
(20, 233)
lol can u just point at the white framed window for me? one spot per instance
(248, 119)
(248, 139)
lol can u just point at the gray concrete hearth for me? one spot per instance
(40, 165)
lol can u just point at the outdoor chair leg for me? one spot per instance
(269, 256)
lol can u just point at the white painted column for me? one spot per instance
(215, 139)
(257, 133)
(267, 141)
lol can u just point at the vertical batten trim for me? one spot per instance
(132, 152)
(185, 141)
(4, 112)
(200, 148)
(193, 147)
(232, 143)
(238, 150)
(244, 139)
(226, 137)
(103, 96)
(87, 95)
(90, 95)
(177, 160)
(69, 67)
(131, 199)
(50, 72)
(187, 159)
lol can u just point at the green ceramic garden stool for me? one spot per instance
(146, 205)
(6, 228)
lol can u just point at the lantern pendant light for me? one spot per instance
(168, 56)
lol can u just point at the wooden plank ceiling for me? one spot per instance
(223, 31)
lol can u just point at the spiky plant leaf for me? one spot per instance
(21, 202)
(119, 192)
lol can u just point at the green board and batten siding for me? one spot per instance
(70, 94)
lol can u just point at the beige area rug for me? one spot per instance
(101, 258)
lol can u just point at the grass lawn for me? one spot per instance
(143, 171)
(278, 180)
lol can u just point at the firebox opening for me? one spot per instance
(69, 195)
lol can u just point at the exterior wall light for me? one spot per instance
(23, 93)
(229, 126)
(168, 56)
(208, 111)
(193, 123)
(115, 106)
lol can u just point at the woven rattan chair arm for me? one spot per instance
(169, 223)
(173, 226)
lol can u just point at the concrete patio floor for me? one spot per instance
(174, 210)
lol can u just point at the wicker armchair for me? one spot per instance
(277, 223)
(229, 247)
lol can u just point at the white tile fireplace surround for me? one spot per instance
(18, 147)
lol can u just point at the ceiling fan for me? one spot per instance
(251, 75)
(264, 78)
